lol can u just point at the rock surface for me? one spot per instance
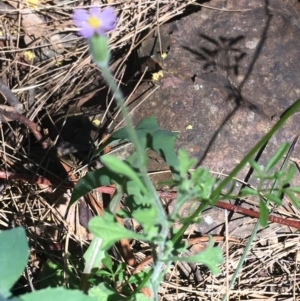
(228, 76)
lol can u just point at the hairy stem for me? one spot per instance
(162, 217)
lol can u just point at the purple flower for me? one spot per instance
(94, 21)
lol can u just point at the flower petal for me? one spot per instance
(100, 31)
(83, 18)
(95, 11)
(108, 19)
(80, 15)
(86, 32)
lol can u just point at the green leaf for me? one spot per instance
(263, 213)
(293, 198)
(163, 143)
(135, 196)
(55, 273)
(277, 156)
(185, 163)
(295, 189)
(147, 217)
(287, 114)
(141, 297)
(273, 198)
(102, 292)
(120, 272)
(211, 257)
(203, 179)
(92, 180)
(108, 262)
(157, 139)
(103, 273)
(249, 191)
(118, 166)
(257, 168)
(116, 199)
(123, 135)
(110, 231)
(119, 135)
(137, 278)
(14, 253)
(289, 175)
(57, 294)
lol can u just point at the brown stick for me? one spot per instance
(14, 115)
(252, 213)
(24, 178)
(239, 209)
(33, 127)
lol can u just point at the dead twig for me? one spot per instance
(24, 178)
(6, 115)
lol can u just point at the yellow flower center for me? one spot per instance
(94, 22)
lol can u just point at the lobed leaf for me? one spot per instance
(119, 167)
(110, 231)
(157, 139)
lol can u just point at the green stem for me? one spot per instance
(162, 219)
(256, 227)
(216, 193)
(255, 149)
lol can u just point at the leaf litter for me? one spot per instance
(57, 79)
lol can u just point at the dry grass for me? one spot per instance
(58, 81)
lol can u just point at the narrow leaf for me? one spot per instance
(295, 189)
(277, 156)
(292, 110)
(116, 199)
(147, 125)
(273, 198)
(108, 262)
(121, 134)
(263, 213)
(293, 198)
(289, 174)
(249, 191)
(163, 142)
(257, 168)
(147, 217)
